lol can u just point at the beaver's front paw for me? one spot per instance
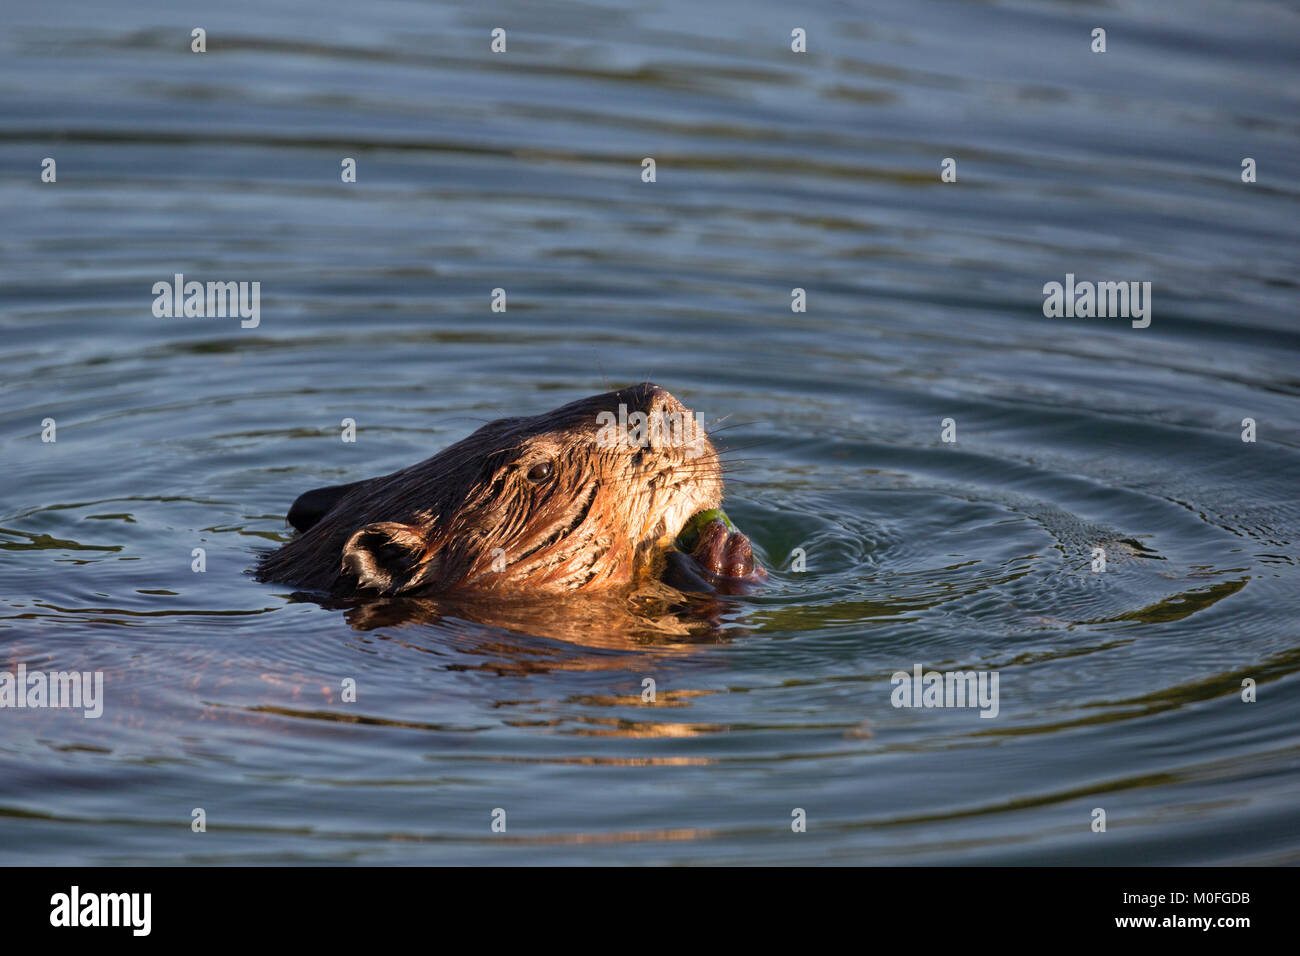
(722, 559)
(723, 552)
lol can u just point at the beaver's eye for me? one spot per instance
(540, 471)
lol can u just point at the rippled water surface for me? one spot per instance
(775, 170)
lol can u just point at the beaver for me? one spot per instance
(572, 500)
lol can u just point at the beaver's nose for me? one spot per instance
(670, 424)
(653, 399)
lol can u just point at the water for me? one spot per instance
(1118, 690)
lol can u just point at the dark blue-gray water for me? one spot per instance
(776, 170)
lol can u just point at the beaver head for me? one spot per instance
(581, 498)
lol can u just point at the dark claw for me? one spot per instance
(738, 556)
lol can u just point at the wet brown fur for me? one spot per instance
(600, 521)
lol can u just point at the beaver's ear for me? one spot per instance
(313, 505)
(384, 556)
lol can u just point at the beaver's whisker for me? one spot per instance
(724, 454)
(713, 430)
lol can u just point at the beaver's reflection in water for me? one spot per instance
(653, 616)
